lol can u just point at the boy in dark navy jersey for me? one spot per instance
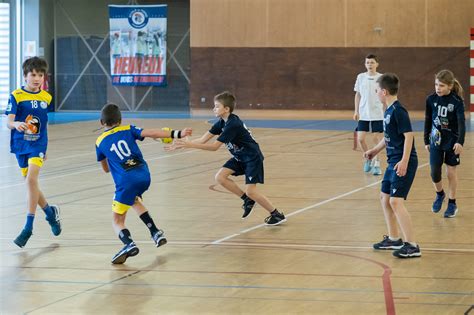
(27, 112)
(247, 158)
(119, 154)
(445, 128)
(402, 164)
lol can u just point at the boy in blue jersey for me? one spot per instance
(445, 128)
(400, 173)
(27, 112)
(247, 158)
(119, 154)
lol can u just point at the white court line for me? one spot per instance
(200, 243)
(217, 242)
(95, 169)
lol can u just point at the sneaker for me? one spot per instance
(129, 250)
(387, 243)
(451, 210)
(55, 222)
(159, 238)
(376, 170)
(275, 219)
(367, 166)
(438, 203)
(407, 251)
(23, 238)
(247, 206)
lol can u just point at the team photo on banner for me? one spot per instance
(138, 44)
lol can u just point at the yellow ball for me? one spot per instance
(166, 140)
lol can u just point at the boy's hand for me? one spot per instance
(457, 148)
(427, 147)
(356, 116)
(21, 126)
(177, 144)
(369, 155)
(186, 132)
(401, 168)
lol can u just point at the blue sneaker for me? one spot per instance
(23, 238)
(407, 251)
(159, 238)
(367, 166)
(129, 250)
(376, 171)
(55, 222)
(451, 210)
(438, 203)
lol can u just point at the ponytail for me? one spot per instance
(457, 88)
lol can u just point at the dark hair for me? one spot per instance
(227, 99)
(110, 115)
(447, 77)
(371, 56)
(35, 63)
(389, 82)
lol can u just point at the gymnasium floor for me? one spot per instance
(319, 262)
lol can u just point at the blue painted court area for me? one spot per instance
(68, 117)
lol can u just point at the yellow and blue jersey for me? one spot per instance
(126, 163)
(31, 108)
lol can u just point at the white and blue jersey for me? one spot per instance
(32, 109)
(444, 121)
(237, 139)
(396, 123)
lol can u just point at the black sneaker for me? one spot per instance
(275, 219)
(129, 250)
(247, 206)
(159, 238)
(387, 243)
(407, 251)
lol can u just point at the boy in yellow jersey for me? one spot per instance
(27, 112)
(119, 154)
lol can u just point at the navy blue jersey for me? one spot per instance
(444, 121)
(31, 108)
(123, 155)
(237, 138)
(396, 122)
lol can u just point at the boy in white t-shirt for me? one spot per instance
(368, 110)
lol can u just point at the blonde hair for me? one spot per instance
(447, 77)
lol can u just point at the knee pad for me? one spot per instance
(436, 173)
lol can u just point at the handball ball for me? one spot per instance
(166, 140)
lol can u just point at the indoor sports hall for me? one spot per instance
(292, 66)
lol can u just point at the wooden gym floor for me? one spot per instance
(319, 262)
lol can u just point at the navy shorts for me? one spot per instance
(397, 186)
(253, 170)
(125, 195)
(438, 157)
(372, 126)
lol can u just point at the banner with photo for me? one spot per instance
(138, 44)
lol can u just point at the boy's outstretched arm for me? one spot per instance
(105, 165)
(204, 138)
(158, 133)
(183, 143)
(375, 150)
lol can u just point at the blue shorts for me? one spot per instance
(438, 157)
(125, 195)
(397, 186)
(372, 126)
(253, 170)
(36, 158)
